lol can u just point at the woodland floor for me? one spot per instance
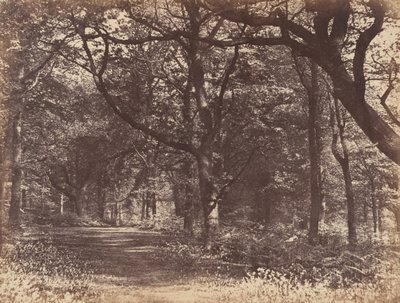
(125, 265)
(132, 265)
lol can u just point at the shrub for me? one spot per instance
(183, 255)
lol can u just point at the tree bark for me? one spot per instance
(62, 204)
(4, 176)
(267, 210)
(144, 203)
(264, 207)
(397, 218)
(315, 156)
(184, 195)
(376, 129)
(100, 202)
(351, 212)
(80, 202)
(208, 198)
(189, 196)
(344, 163)
(374, 207)
(17, 173)
(148, 202)
(2, 182)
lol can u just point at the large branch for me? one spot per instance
(276, 19)
(351, 93)
(377, 130)
(340, 26)
(139, 126)
(138, 41)
(383, 99)
(224, 85)
(362, 44)
(111, 100)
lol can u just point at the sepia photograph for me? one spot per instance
(199, 151)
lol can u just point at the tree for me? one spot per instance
(311, 83)
(196, 128)
(338, 125)
(328, 46)
(21, 78)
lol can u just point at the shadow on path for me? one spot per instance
(123, 256)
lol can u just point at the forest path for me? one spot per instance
(126, 254)
(125, 264)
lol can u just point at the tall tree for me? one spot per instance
(338, 125)
(199, 96)
(330, 47)
(26, 68)
(311, 82)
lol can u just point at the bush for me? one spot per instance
(286, 250)
(184, 255)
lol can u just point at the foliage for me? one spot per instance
(286, 251)
(184, 255)
(270, 286)
(43, 258)
(38, 271)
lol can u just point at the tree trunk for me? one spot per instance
(380, 219)
(365, 210)
(101, 198)
(374, 207)
(397, 218)
(177, 193)
(377, 130)
(17, 173)
(153, 205)
(80, 201)
(144, 202)
(315, 156)
(79, 207)
(2, 177)
(189, 196)
(183, 195)
(351, 212)
(62, 204)
(118, 214)
(23, 198)
(148, 201)
(100, 204)
(208, 198)
(344, 162)
(264, 207)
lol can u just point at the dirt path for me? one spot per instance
(123, 255)
(125, 266)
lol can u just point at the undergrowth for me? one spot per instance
(283, 267)
(37, 271)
